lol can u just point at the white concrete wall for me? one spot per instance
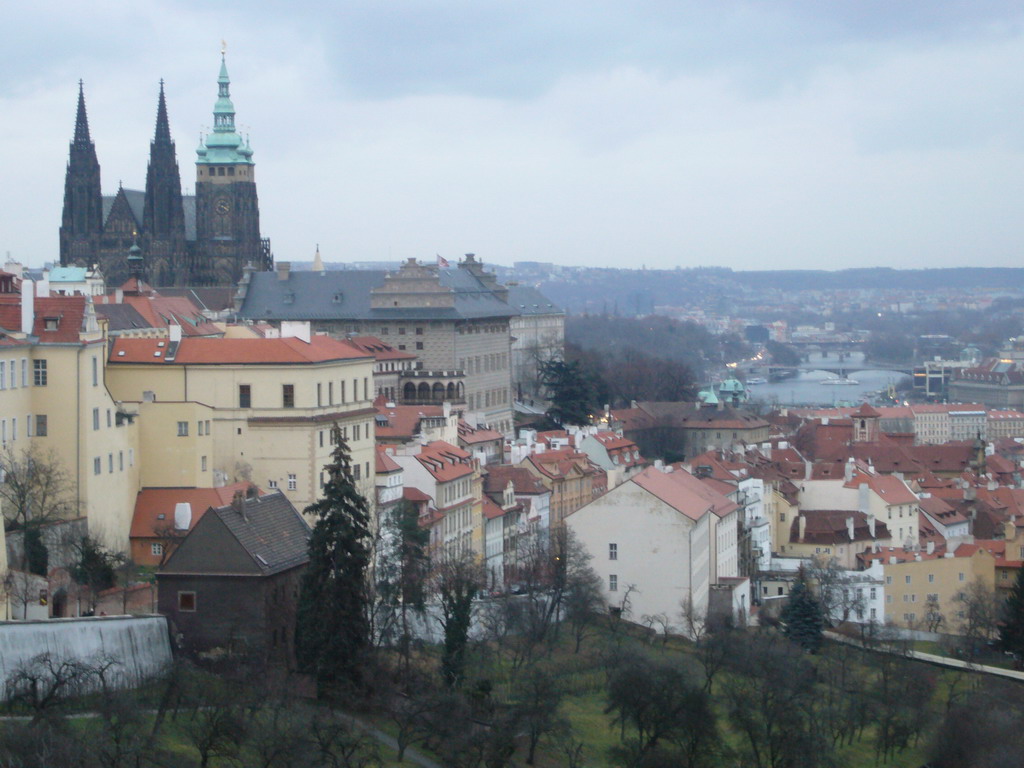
(658, 550)
(140, 644)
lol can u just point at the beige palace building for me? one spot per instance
(221, 410)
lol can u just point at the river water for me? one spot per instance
(806, 387)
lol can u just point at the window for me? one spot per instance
(120, 461)
(95, 371)
(319, 394)
(97, 466)
(873, 593)
(613, 583)
(110, 418)
(288, 395)
(931, 578)
(202, 462)
(245, 396)
(3, 375)
(356, 472)
(272, 484)
(341, 385)
(907, 578)
(182, 429)
(95, 418)
(131, 457)
(293, 483)
(613, 551)
(14, 428)
(187, 601)
(24, 372)
(419, 345)
(157, 550)
(39, 373)
(419, 331)
(356, 432)
(110, 463)
(888, 579)
(888, 598)
(960, 577)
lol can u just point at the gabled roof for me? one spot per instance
(267, 529)
(444, 461)
(889, 488)
(66, 313)
(154, 507)
(530, 301)
(498, 476)
(221, 351)
(385, 465)
(471, 435)
(829, 526)
(121, 317)
(683, 492)
(402, 422)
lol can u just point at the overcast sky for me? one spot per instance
(782, 134)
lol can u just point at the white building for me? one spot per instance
(657, 540)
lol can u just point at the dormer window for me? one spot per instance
(289, 298)
(51, 323)
(337, 298)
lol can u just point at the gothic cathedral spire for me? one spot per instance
(82, 218)
(163, 215)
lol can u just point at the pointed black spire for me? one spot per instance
(81, 119)
(163, 129)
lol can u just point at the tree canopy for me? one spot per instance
(803, 619)
(332, 630)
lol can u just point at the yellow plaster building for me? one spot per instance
(215, 410)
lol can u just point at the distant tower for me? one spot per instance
(227, 209)
(163, 215)
(865, 424)
(82, 219)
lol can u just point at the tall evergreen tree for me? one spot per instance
(332, 633)
(803, 619)
(572, 389)
(1011, 629)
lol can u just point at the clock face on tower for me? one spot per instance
(222, 206)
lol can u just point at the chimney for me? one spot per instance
(993, 484)
(824, 421)
(182, 516)
(766, 450)
(284, 269)
(446, 409)
(930, 548)
(871, 525)
(864, 498)
(850, 528)
(917, 557)
(802, 526)
(296, 329)
(848, 470)
(43, 286)
(174, 330)
(659, 464)
(238, 504)
(28, 306)
(970, 493)
(807, 469)
(119, 296)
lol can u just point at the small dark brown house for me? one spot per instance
(232, 585)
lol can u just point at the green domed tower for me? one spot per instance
(227, 208)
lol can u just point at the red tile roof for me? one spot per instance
(523, 481)
(220, 351)
(403, 421)
(378, 349)
(889, 488)
(154, 507)
(684, 492)
(384, 463)
(444, 461)
(67, 311)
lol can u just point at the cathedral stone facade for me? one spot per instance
(204, 239)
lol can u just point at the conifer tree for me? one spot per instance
(1011, 629)
(332, 633)
(802, 618)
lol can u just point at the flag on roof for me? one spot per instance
(441, 261)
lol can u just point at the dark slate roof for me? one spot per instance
(121, 317)
(213, 298)
(313, 297)
(529, 301)
(136, 201)
(271, 531)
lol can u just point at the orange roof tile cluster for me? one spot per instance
(471, 435)
(684, 493)
(889, 488)
(402, 422)
(500, 475)
(830, 526)
(379, 350)
(384, 464)
(444, 461)
(154, 507)
(561, 463)
(221, 351)
(58, 319)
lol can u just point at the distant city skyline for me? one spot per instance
(789, 135)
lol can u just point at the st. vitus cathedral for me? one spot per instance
(204, 239)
